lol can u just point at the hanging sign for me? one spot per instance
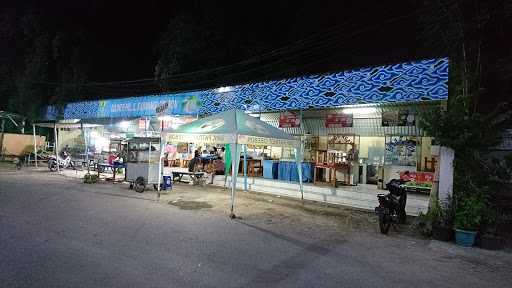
(403, 117)
(162, 109)
(341, 139)
(289, 120)
(142, 123)
(338, 120)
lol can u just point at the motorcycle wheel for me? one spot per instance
(52, 166)
(384, 223)
(139, 184)
(18, 165)
(402, 215)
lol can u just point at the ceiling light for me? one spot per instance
(124, 124)
(360, 110)
(224, 89)
(165, 118)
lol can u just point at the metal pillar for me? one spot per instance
(2, 139)
(245, 167)
(160, 157)
(35, 143)
(56, 145)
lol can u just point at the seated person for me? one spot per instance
(111, 158)
(192, 164)
(219, 166)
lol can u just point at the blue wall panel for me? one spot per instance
(405, 82)
(425, 80)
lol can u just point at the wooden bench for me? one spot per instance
(196, 177)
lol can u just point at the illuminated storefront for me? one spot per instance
(360, 125)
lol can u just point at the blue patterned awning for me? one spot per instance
(425, 80)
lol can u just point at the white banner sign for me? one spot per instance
(227, 139)
(162, 109)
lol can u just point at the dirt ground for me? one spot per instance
(277, 213)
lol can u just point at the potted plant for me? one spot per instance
(442, 224)
(469, 214)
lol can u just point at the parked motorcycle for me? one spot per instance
(391, 207)
(19, 162)
(63, 162)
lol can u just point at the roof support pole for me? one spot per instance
(298, 160)
(35, 143)
(235, 160)
(56, 145)
(245, 167)
(160, 158)
(2, 128)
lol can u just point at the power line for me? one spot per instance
(314, 47)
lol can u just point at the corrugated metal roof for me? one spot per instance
(313, 122)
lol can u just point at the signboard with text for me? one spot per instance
(142, 123)
(418, 179)
(403, 117)
(289, 120)
(338, 120)
(162, 109)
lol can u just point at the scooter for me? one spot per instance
(63, 162)
(391, 207)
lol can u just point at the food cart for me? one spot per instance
(142, 167)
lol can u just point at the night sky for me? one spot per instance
(122, 35)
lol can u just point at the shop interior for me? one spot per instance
(371, 151)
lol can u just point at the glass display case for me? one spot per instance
(143, 161)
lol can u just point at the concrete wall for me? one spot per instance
(19, 144)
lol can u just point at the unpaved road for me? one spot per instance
(57, 232)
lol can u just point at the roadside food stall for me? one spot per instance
(142, 166)
(238, 129)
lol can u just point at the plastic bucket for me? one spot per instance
(465, 238)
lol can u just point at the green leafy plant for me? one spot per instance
(90, 178)
(437, 215)
(471, 212)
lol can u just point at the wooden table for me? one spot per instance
(324, 166)
(332, 172)
(251, 166)
(101, 167)
(195, 176)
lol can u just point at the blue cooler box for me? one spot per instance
(307, 172)
(284, 170)
(270, 169)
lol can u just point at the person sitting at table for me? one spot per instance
(111, 158)
(118, 162)
(192, 164)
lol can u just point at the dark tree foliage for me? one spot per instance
(464, 27)
(47, 64)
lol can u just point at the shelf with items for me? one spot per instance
(339, 156)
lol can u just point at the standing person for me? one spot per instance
(222, 153)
